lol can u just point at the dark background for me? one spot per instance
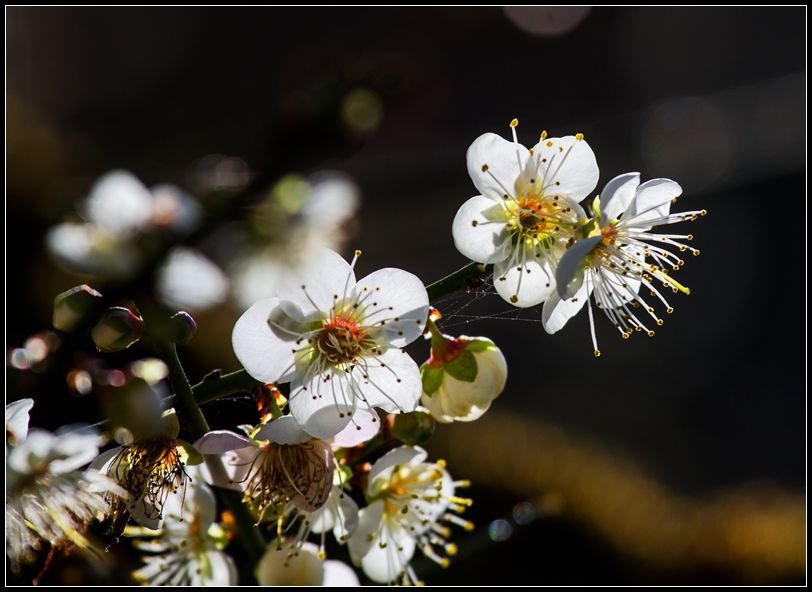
(677, 459)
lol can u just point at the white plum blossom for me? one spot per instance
(303, 567)
(462, 377)
(118, 209)
(409, 499)
(527, 211)
(190, 281)
(48, 499)
(280, 464)
(149, 469)
(187, 548)
(618, 254)
(300, 217)
(338, 341)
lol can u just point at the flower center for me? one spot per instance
(281, 473)
(340, 340)
(537, 218)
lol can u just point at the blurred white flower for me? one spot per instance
(527, 211)
(338, 341)
(303, 566)
(117, 211)
(609, 262)
(187, 548)
(462, 377)
(47, 498)
(188, 280)
(408, 500)
(299, 218)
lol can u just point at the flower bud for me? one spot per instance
(181, 327)
(462, 377)
(118, 329)
(412, 428)
(72, 306)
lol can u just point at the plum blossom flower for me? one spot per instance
(618, 254)
(527, 211)
(409, 499)
(280, 464)
(300, 217)
(303, 567)
(47, 498)
(150, 468)
(338, 341)
(117, 211)
(187, 549)
(462, 377)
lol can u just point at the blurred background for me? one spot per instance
(673, 460)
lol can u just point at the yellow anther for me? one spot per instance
(543, 135)
(514, 122)
(549, 143)
(597, 353)
(451, 549)
(441, 462)
(579, 137)
(444, 562)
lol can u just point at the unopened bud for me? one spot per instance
(118, 329)
(413, 428)
(181, 327)
(74, 305)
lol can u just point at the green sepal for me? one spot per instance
(463, 367)
(476, 346)
(432, 378)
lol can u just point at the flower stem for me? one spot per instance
(457, 281)
(196, 423)
(211, 389)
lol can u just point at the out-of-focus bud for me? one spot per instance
(412, 428)
(74, 305)
(462, 377)
(117, 329)
(181, 328)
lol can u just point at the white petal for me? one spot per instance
(339, 514)
(220, 441)
(17, 418)
(617, 194)
(523, 285)
(175, 209)
(363, 426)
(119, 202)
(398, 299)
(503, 162)
(570, 168)
(480, 232)
(276, 568)
(190, 281)
(339, 574)
(390, 381)
(101, 462)
(385, 563)
(283, 430)
(326, 278)
(652, 201)
(401, 455)
(267, 355)
(322, 407)
(558, 311)
(369, 521)
(222, 571)
(144, 513)
(72, 451)
(571, 263)
(231, 470)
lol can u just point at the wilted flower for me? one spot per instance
(527, 211)
(338, 341)
(187, 549)
(279, 465)
(150, 468)
(47, 498)
(462, 377)
(610, 261)
(304, 566)
(408, 500)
